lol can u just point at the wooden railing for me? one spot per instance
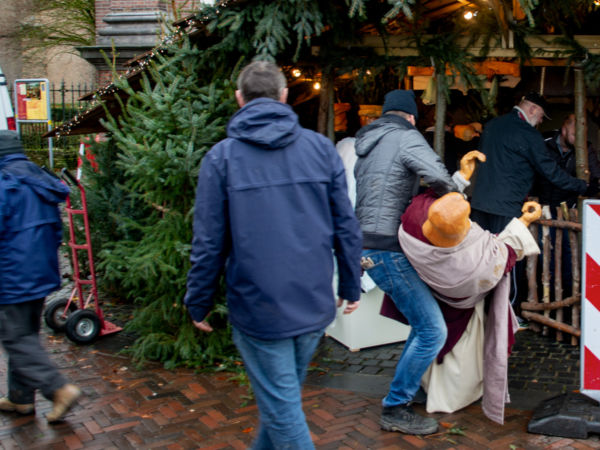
(546, 306)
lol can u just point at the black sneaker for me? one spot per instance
(402, 418)
(420, 397)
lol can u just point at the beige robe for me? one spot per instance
(477, 365)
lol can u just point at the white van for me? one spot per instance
(7, 117)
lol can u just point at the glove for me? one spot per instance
(592, 188)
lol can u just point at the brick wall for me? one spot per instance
(104, 7)
(104, 77)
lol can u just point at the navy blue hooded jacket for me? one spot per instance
(271, 205)
(30, 230)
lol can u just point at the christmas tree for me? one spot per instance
(166, 128)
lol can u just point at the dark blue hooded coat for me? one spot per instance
(271, 205)
(30, 230)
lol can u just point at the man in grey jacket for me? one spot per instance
(393, 157)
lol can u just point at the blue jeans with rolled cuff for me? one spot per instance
(393, 274)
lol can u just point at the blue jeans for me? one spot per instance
(277, 369)
(394, 275)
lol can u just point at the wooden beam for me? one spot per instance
(542, 46)
(551, 323)
(535, 306)
(488, 68)
(545, 62)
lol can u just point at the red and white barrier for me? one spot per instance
(590, 318)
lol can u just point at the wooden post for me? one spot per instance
(532, 293)
(582, 171)
(581, 156)
(326, 105)
(440, 113)
(546, 249)
(331, 116)
(558, 281)
(532, 284)
(576, 274)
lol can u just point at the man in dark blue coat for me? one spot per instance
(30, 233)
(271, 205)
(515, 152)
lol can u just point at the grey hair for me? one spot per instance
(261, 79)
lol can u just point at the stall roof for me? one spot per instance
(544, 47)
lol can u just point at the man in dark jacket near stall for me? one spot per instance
(393, 157)
(515, 152)
(30, 233)
(561, 148)
(271, 205)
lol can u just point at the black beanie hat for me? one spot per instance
(400, 100)
(10, 143)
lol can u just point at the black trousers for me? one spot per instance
(495, 223)
(29, 366)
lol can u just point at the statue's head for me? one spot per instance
(447, 221)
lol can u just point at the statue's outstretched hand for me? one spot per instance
(532, 211)
(467, 163)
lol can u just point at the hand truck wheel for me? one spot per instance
(55, 314)
(83, 326)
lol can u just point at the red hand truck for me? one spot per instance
(81, 324)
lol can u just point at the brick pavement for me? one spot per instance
(125, 408)
(538, 365)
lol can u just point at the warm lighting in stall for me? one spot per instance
(296, 73)
(469, 15)
(597, 2)
(317, 86)
(368, 72)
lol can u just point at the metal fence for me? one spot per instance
(65, 103)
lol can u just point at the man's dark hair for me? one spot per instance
(261, 79)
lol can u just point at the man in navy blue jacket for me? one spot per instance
(30, 233)
(271, 205)
(515, 152)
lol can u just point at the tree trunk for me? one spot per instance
(325, 118)
(440, 115)
(580, 127)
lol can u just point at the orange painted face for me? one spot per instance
(447, 221)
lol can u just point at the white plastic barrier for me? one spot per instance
(365, 327)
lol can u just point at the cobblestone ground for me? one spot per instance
(125, 408)
(537, 362)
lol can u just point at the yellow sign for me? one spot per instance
(32, 100)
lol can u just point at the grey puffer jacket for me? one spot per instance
(392, 158)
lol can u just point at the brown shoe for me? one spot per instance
(64, 399)
(21, 408)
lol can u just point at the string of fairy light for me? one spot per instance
(193, 22)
